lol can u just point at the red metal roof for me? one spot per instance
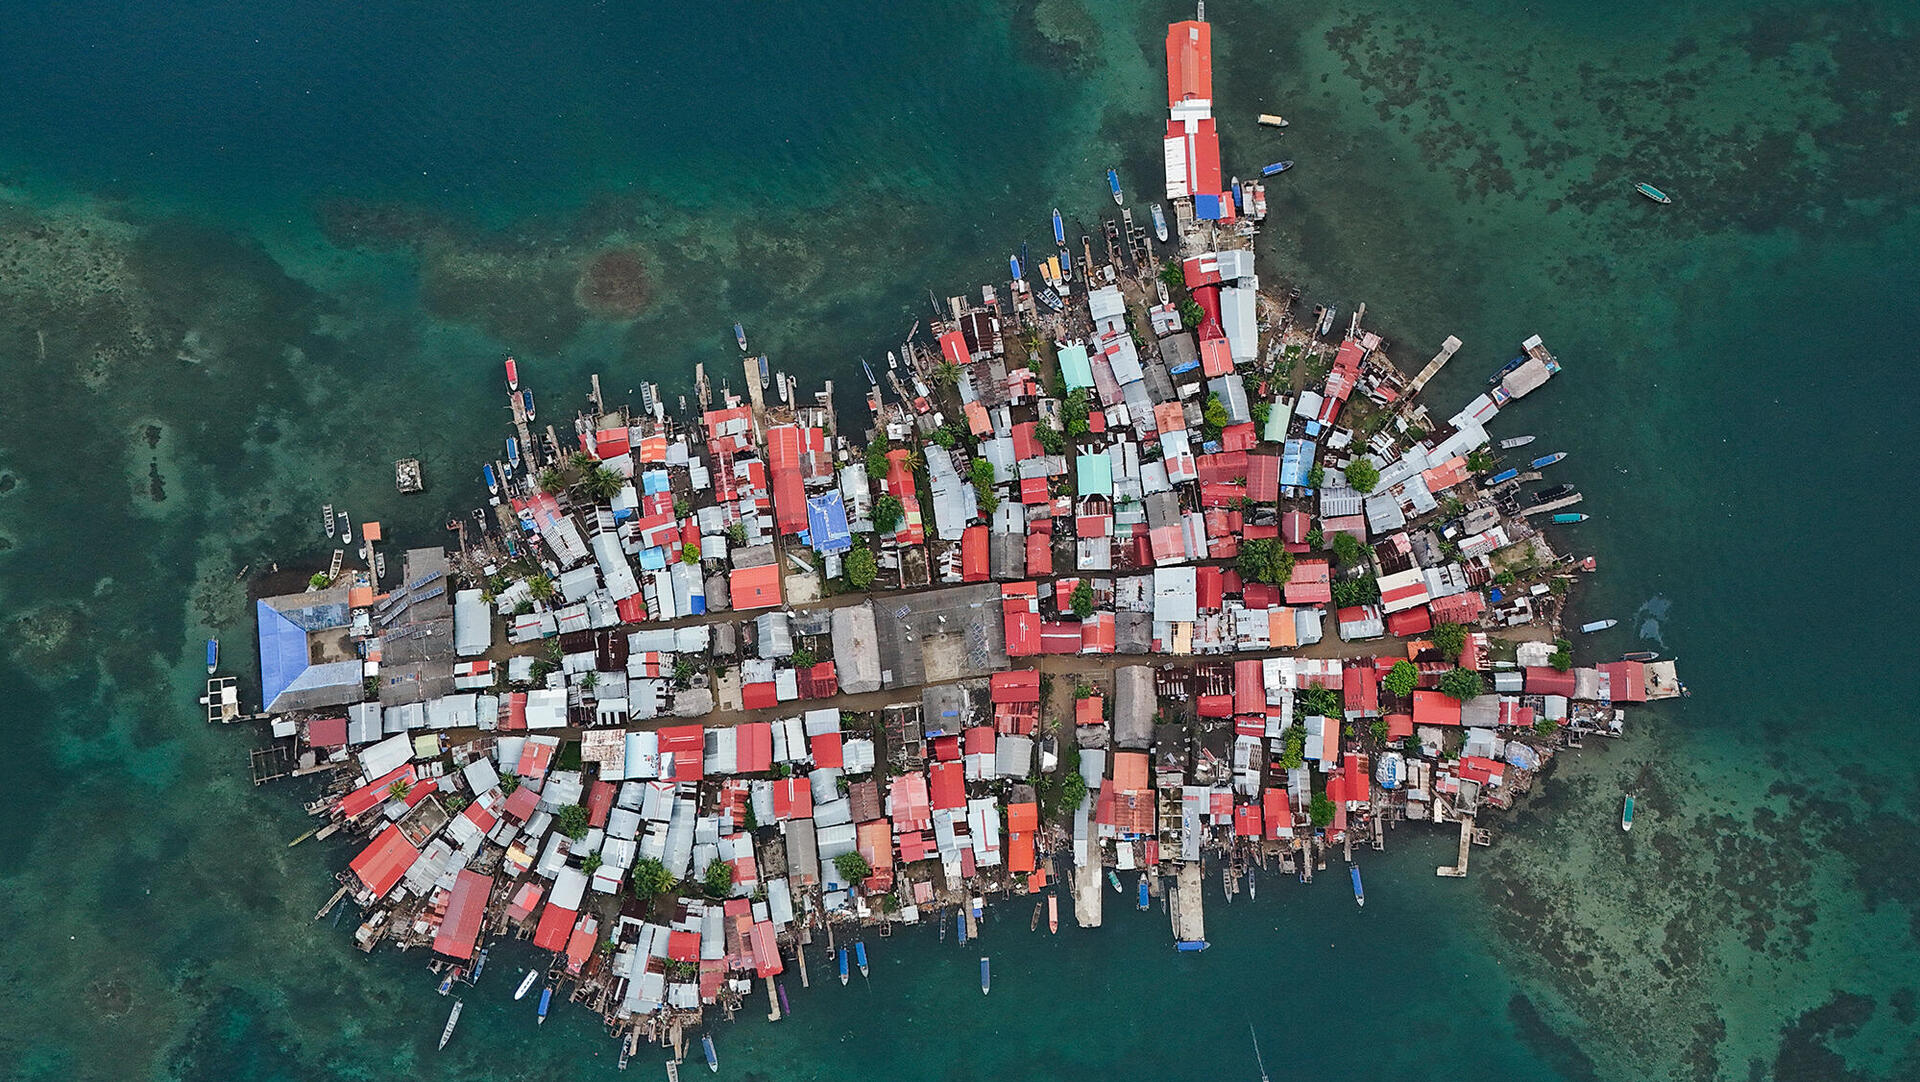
(687, 744)
(580, 944)
(753, 748)
(556, 925)
(1311, 584)
(792, 798)
(827, 750)
(948, 790)
(1018, 686)
(973, 554)
(1434, 708)
(460, 929)
(1412, 621)
(759, 696)
(755, 587)
(1189, 62)
(599, 803)
(1543, 680)
(521, 804)
(327, 732)
(381, 864)
(375, 792)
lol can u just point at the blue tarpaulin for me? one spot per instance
(827, 524)
(283, 651)
(1207, 208)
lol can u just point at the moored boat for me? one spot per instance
(960, 921)
(1059, 229)
(526, 399)
(1596, 625)
(1113, 877)
(844, 969)
(1326, 319)
(513, 451)
(1653, 193)
(526, 984)
(1160, 223)
(713, 1057)
(513, 375)
(1546, 460)
(326, 516)
(860, 955)
(1144, 901)
(1053, 914)
(1503, 476)
(1275, 169)
(493, 481)
(1640, 655)
(546, 1000)
(1548, 495)
(868, 369)
(453, 1020)
(1272, 120)
(346, 528)
(740, 336)
(986, 976)
(1568, 518)
(1113, 184)
(213, 655)
(1511, 442)
(1626, 813)
(766, 374)
(1013, 264)
(1359, 893)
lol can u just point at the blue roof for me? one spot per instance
(1095, 475)
(1075, 368)
(827, 523)
(1207, 208)
(283, 651)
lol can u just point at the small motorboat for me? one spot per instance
(1653, 193)
(546, 1000)
(1113, 877)
(513, 375)
(1272, 120)
(1059, 230)
(1113, 185)
(1626, 813)
(513, 451)
(493, 480)
(845, 971)
(1326, 319)
(740, 336)
(346, 528)
(868, 369)
(526, 984)
(1511, 442)
(1502, 477)
(1053, 914)
(526, 399)
(781, 990)
(453, 1020)
(1251, 892)
(479, 967)
(1548, 495)
(1144, 901)
(1359, 893)
(986, 976)
(713, 1058)
(1568, 518)
(860, 955)
(213, 655)
(446, 980)
(1160, 223)
(326, 517)
(960, 922)
(1275, 169)
(1546, 460)
(1596, 625)
(1640, 655)
(1013, 264)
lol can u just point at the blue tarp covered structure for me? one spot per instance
(827, 524)
(283, 651)
(1207, 208)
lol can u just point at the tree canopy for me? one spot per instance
(1362, 475)
(1462, 684)
(861, 568)
(887, 512)
(718, 880)
(852, 867)
(1082, 600)
(571, 820)
(1349, 550)
(1450, 639)
(1401, 679)
(1321, 810)
(1264, 559)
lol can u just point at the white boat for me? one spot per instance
(333, 524)
(1272, 120)
(346, 528)
(1160, 223)
(1597, 625)
(526, 984)
(1515, 441)
(452, 1021)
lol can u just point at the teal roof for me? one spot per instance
(1074, 367)
(1096, 475)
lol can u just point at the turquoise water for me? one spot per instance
(250, 255)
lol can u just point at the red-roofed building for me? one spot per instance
(1278, 813)
(459, 930)
(376, 792)
(1340, 381)
(1017, 686)
(827, 750)
(687, 745)
(948, 788)
(1360, 687)
(1311, 584)
(1544, 680)
(599, 803)
(1189, 62)
(1263, 480)
(755, 587)
(973, 554)
(1023, 819)
(381, 864)
(1435, 708)
(1246, 821)
(789, 486)
(821, 680)
(521, 804)
(580, 944)
(908, 803)
(523, 903)
(327, 732)
(1414, 621)
(753, 748)
(792, 798)
(1022, 628)
(555, 928)
(1214, 706)
(1399, 726)
(1463, 608)
(683, 946)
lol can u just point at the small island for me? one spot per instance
(1135, 578)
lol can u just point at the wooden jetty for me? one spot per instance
(1447, 349)
(1458, 870)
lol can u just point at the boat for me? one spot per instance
(1114, 878)
(1653, 193)
(1546, 460)
(868, 369)
(446, 981)
(1511, 442)
(346, 528)
(1505, 369)
(740, 336)
(513, 375)
(1275, 169)
(453, 1020)
(1596, 625)
(526, 984)
(1272, 120)
(1059, 229)
(960, 921)
(860, 955)
(986, 976)
(213, 655)
(1113, 183)
(1053, 914)
(493, 481)
(1013, 264)
(513, 451)
(546, 1000)
(1326, 319)
(713, 1058)
(1190, 946)
(1160, 223)
(1640, 655)
(379, 564)
(781, 990)
(1251, 893)
(1568, 518)
(1144, 901)
(1258, 1058)
(1626, 813)
(1547, 495)
(526, 399)
(479, 966)
(1503, 476)
(1359, 893)
(1052, 300)
(844, 970)
(332, 524)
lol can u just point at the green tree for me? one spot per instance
(718, 881)
(887, 512)
(551, 481)
(1462, 684)
(320, 580)
(1401, 679)
(1295, 754)
(590, 681)
(737, 533)
(571, 820)
(1562, 656)
(1052, 440)
(1546, 726)
(877, 460)
(540, 587)
(1082, 600)
(591, 864)
(1324, 702)
(581, 461)
(1173, 274)
(1074, 411)
(1379, 728)
(1349, 550)
(1316, 540)
(650, 877)
(601, 484)
(1362, 475)
(1316, 476)
(1361, 591)
(852, 867)
(1321, 811)
(1213, 414)
(1450, 639)
(1412, 744)
(1264, 559)
(946, 374)
(802, 658)
(399, 789)
(1260, 411)
(1191, 314)
(945, 438)
(1480, 461)
(1073, 789)
(690, 552)
(683, 672)
(681, 505)
(508, 783)
(861, 568)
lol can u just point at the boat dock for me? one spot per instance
(1554, 505)
(1187, 905)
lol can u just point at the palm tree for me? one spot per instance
(541, 587)
(551, 482)
(581, 461)
(602, 484)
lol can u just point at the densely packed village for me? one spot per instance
(1133, 573)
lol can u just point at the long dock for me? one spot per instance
(1187, 908)
(1554, 505)
(1458, 870)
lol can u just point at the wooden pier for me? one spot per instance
(1458, 870)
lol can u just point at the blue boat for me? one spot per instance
(1275, 169)
(1013, 264)
(1059, 229)
(740, 336)
(546, 1000)
(1359, 895)
(493, 483)
(1113, 183)
(1546, 460)
(986, 976)
(1190, 946)
(513, 451)
(713, 1058)
(785, 1008)
(1143, 890)
(843, 965)
(960, 920)
(1066, 263)
(1503, 475)
(1568, 518)
(526, 399)
(860, 955)
(213, 655)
